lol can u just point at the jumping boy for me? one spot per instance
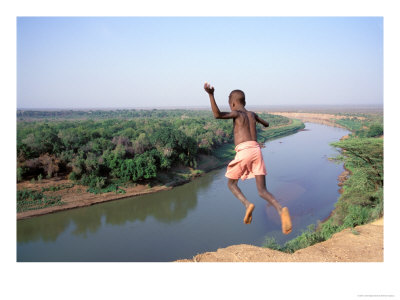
(248, 162)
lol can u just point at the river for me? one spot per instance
(197, 217)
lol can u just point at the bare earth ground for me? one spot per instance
(78, 197)
(361, 244)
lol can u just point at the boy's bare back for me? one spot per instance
(244, 127)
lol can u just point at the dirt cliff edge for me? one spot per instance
(362, 244)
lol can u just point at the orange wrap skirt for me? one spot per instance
(248, 162)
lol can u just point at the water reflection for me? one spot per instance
(167, 207)
(41, 228)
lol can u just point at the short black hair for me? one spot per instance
(239, 95)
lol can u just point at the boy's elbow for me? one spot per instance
(217, 116)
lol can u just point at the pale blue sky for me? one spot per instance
(133, 62)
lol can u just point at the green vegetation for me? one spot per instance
(129, 114)
(270, 133)
(97, 152)
(363, 125)
(106, 149)
(29, 200)
(58, 187)
(110, 188)
(225, 152)
(362, 198)
(126, 114)
(351, 123)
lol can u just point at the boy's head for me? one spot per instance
(236, 97)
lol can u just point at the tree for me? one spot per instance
(375, 130)
(366, 154)
(362, 197)
(49, 164)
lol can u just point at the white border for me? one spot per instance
(187, 281)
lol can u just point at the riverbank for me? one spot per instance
(321, 118)
(75, 196)
(363, 154)
(360, 244)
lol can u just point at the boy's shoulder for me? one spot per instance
(241, 113)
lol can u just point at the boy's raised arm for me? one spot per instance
(261, 121)
(217, 113)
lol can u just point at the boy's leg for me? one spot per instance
(283, 212)
(232, 184)
(263, 192)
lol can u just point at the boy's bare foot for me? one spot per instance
(286, 221)
(248, 217)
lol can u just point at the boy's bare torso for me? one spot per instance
(244, 127)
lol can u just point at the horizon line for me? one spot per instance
(203, 107)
